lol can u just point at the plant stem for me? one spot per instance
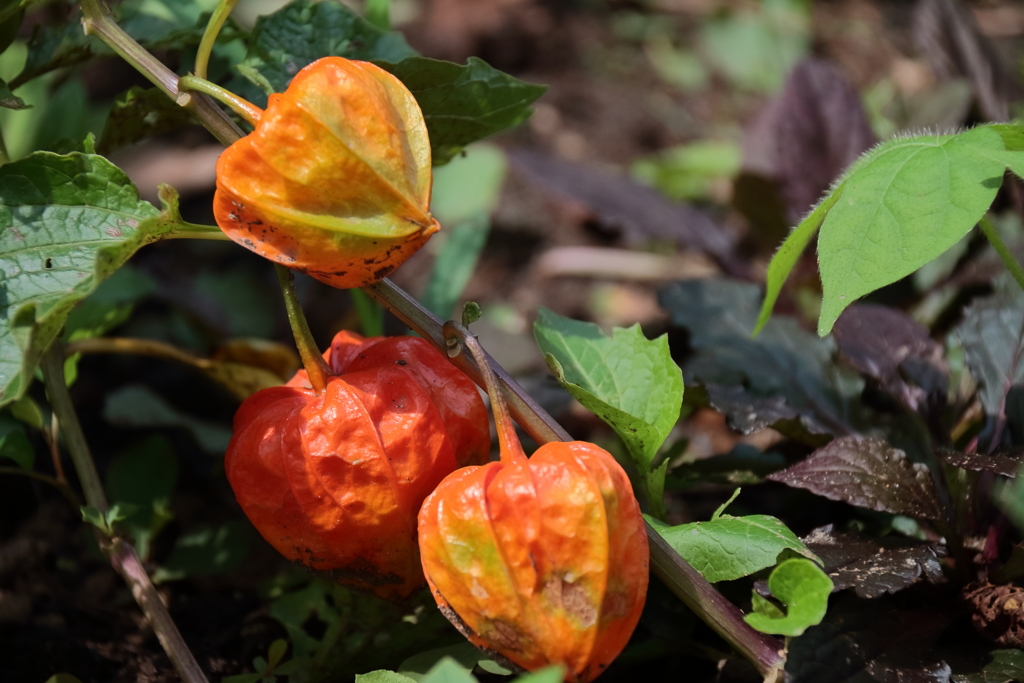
(312, 360)
(247, 110)
(63, 487)
(96, 21)
(213, 27)
(762, 650)
(1004, 253)
(121, 553)
(456, 338)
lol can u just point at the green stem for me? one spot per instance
(312, 360)
(1004, 253)
(96, 21)
(457, 338)
(121, 553)
(371, 316)
(53, 377)
(213, 27)
(62, 486)
(247, 110)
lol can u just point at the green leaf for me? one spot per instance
(762, 605)
(789, 253)
(242, 678)
(462, 104)
(93, 516)
(551, 674)
(729, 548)
(382, 676)
(14, 444)
(804, 588)
(62, 678)
(465, 193)
(140, 113)
(138, 406)
(448, 671)
(903, 205)
(1006, 666)
(26, 410)
(66, 223)
(464, 654)
(143, 473)
(284, 42)
(108, 306)
(627, 380)
(207, 550)
(276, 653)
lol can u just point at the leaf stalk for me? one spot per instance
(309, 352)
(213, 27)
(1004, 252)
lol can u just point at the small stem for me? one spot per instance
(121, 553)
(197, 235)
(64, 410)
(456, 338)
(247, 110)
(213, 27)
(51, 437)
(96, 21)
(1004, 253)
(316, 366)
(62, 486)
(142, 347)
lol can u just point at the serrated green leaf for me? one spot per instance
(627, 380)
(463, 103)
(729, 548)
(139, 113)
(14, 444)
(66, 223)
(382, 676)
(804, 588)
(448, 671)
(913, 200)
(303, 31)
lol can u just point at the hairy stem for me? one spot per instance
(194, 84)
(121, 553)
(213, 27)
(1004, 252)
(312, 360)
(456, 339)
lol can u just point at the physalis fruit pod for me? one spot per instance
(334, 480)
(335, 180)
(541, 560)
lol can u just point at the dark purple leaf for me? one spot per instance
(821, 129)
(884, 344)
(874, 567)
(949, 37)
(867, 473)
(747, 414)
(1004, 463)
(618, 201)
(865, 641)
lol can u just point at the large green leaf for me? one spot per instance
(303, 31)
(726, 548)
(804, 588)
(66, 223)
(627, 380)
(462, 104)
(900, 206)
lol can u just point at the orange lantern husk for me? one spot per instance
(334, 480)
(541, 560)
(335, 180)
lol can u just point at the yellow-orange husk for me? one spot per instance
(544, 561)
(335, 180)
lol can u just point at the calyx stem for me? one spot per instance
(213, 27)
(456, 338)
(247, 110)
(316, 366)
